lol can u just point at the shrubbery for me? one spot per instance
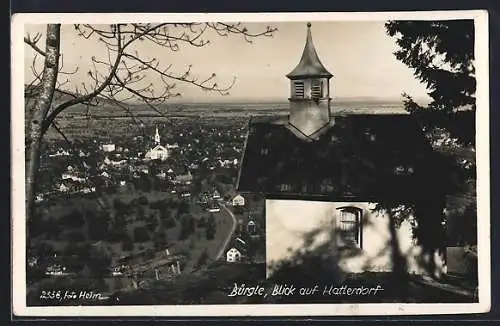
(74, 219)
(141, 234)
(211, 227)
(127, 243)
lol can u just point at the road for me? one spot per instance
(230, 235)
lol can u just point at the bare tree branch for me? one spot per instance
(33, 43)
(127, 75)
(86, 97)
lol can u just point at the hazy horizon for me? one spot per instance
(359, 54)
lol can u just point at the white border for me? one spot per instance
(18, 172)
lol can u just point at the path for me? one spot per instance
(230, 235)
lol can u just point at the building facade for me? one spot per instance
(233, 255)
(356, 235)
(352, 191)
(238, 200)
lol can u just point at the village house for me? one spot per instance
(185, 178)
(63, 188)
(212, 207)
(55, 270)
(225, 162)
(238, 200)
(108, 148)
(251, 227)
(233, 255)
(350, 188)
(161, 175)
(118, 270)
(193, 166)
(60, 152)
(172, 146)
(72, 176)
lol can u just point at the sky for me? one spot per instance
(358, 54)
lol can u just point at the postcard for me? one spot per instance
(271, 164)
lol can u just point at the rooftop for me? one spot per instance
(360, 157)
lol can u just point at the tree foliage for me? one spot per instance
(99, 262)
(203, 259)
(188, 227)
(211, 228)
(441, 54)
(141, 234)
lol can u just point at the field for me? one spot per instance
(344, 106)
(109, 120)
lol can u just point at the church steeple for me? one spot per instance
(310, 93)
(309, 64)
(157, 137)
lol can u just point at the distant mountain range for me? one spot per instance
(64, 96)
(59, 96)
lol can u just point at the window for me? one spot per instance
(284, 187)
(316, 89)
(349, 227)
(299, 89)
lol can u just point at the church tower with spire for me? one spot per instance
(157, 137)
(310, 93)
(158, 152)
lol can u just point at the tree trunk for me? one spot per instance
(431, 236)
(41, 107)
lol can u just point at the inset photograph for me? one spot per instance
(234, 162)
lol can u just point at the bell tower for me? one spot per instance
(309, 93)
(157, 137)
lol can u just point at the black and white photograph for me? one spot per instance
(250, 165)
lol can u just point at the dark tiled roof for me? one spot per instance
(362, 157)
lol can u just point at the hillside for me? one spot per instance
(61, 97)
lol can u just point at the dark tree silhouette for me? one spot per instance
(141, 234)
(127, 243)
(98, 263)
(119, 206)
(203, 258)
(202, 222)
(187, 227)
(159, 240)
(75, 236)
(441, 54)
(74, 219)
(211, 227)
(98, 226)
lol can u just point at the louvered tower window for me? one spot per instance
(316, 89)
(299, 89)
